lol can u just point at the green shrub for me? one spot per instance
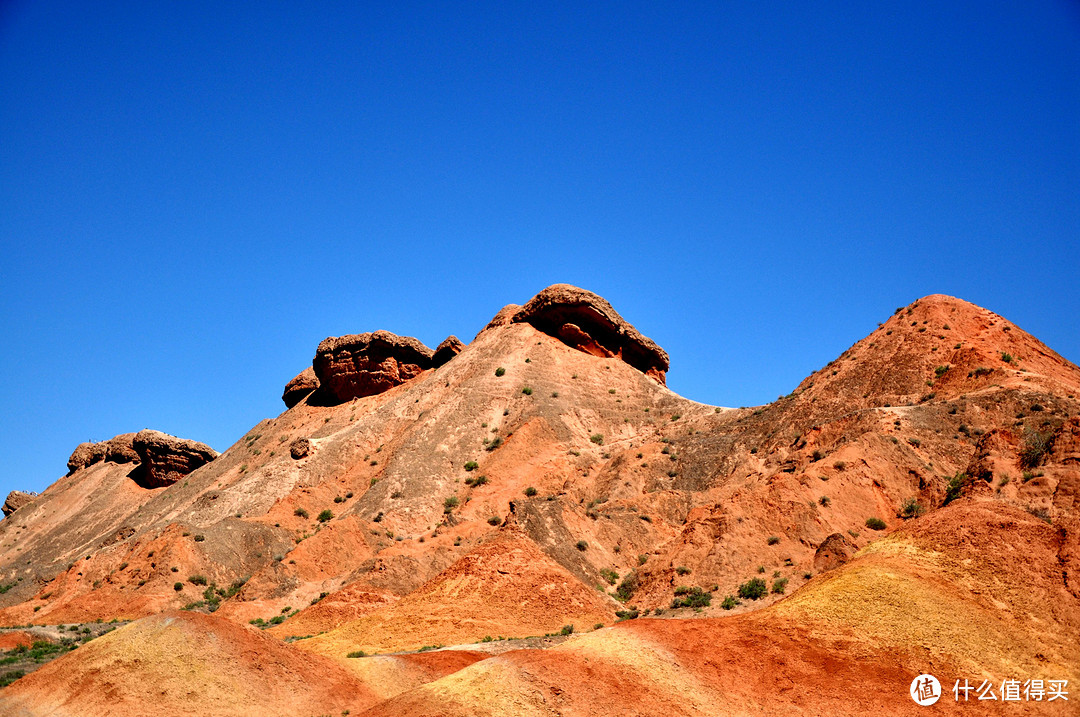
(773, 540)
(200, 538)
(630, 614)
(875, 524)
(581, 545)
(197, 579)
(8, 677)
(730, 602)
(471, 465)
(567, 630)
(952, 490)
(325, 515)
(610, 575)
(911, 508)
(500, 371)
(1036, 447)
(682, 570)
(527, 391)
(825, 501)
(597, 438)
(530, 492)
(627, 587)
(178, 587)
(300, 513)
(753, 589)
(449, 504)
(941, 371)
(494, 520)
(356, 653)
(694, 597)
(778, 585)
(816, 456)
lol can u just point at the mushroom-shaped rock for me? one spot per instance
(298, 389)
(166, 459)
(15, 500)
(588, 323)
(118, 449)
(361, 365)
(834, 551)
(450, 347)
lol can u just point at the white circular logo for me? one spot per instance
(925, 690)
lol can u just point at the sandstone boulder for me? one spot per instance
(588, 323)
(166, 459)
(361, 365)
(15, 500)
(118, 449)
(834, 551)
(450, 347)
(300, 448)
(298, 389)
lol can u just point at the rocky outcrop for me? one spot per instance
(588, 323)
(166, 459)
(450, 347)
(300, 448)
(991, 451)
(834, 551)
(300, 387)
(15, 500)
(361, 365)
(118, 449)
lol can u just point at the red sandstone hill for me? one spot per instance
(543, 475)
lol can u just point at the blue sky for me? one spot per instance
(192, 195)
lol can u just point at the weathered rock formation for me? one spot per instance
(118, 449)
(450, 347)
(361, 365)
(166, 459)
(15, 500)
(298, 389)
(300, 448)
(586, 322)
(833, 552)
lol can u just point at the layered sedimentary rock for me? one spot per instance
(166, 459)
(361, 365)
(118, 449)
(588, 323)
(15, 500)
(300, 387)
(450, 347)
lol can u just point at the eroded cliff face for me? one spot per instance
(586, 322)
(166, 459)
(360, 365)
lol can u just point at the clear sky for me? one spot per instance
(194, 194)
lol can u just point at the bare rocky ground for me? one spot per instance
(911, 506)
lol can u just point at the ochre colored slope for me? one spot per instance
(186, 664)
(968, 593)
(506, 587)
